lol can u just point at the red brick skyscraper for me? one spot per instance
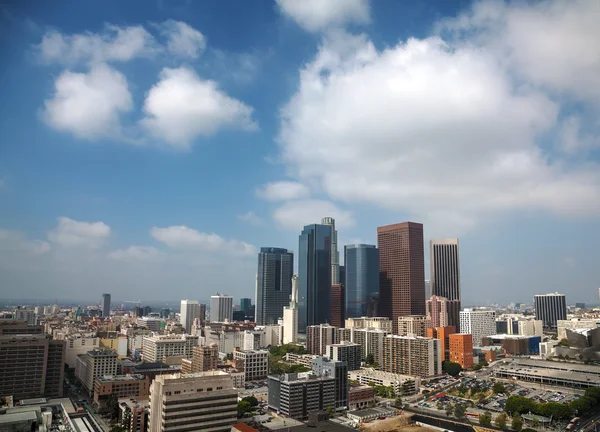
(338, 305)
(401, 270)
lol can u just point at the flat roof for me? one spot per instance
(15, 417)
(369, 412)
(550, 374)
(119, 378)
(565, 366)
(324, 426)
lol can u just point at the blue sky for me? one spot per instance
(149, 149)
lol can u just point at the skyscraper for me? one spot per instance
(401, 270)
(221, 308)
(335, 255)
(480, 323)
(445, 275)
(245, 305)
(190, 309)
(314, 276)
(361, 263)
(275, 271)
(290, 315)
(437, 311)
(105, 305)
(338, 305)
(549, 308)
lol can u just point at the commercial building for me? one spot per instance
(437, 311)
(205, 401)
(274, 285)
(94, 364)
(27, 315)
(290, 315)
(576, 324)
(549, 308)
(246, 305)
(79, 343)
(335, 255)
(360, 396)
(296, 395)
(401, 271)
(480, 323)
(190, 310)
(550, 373)
(314, 276)
(122, 386)
(445, 276)
(361, 264)
(10, 327)
(531, 328)
(413, 325)
(134, 412)
(221, 308)
(514, 344)
(461, 349)
(160, 347)
(204, 358)
(382, 323)
(152, 370)
(412, 355)
(338, 305)
(150, 323)
(318, 337)
(31, 366)
(345, 351)
(443, 334)
(105, 305)
(402, 384)
(323, 366)
(254, 363)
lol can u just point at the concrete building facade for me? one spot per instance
(413, 325)
(478, 322)
(412, 355)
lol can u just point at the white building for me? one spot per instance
(290, 316)
(94, 364)
(401, 383)
(225, 340)
(254, 363)
(158, 347)
(273, 335)
(576, 324)
(479, 323)
(190, 309)
(78, 343)
(382, 323)
(531, 328)
(150, 323)
(221, 308)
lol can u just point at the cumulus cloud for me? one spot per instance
(182, 39)
(182, 106)
(113, 44)
(182, 237)
(251, 218)
(72, 233)
(282, 191)
(293, 215)
(15, 242)
(436, 130)
(136, 253)
(316, 15)
(88, 105)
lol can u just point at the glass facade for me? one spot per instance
(362, 278)
(314, 276)
(274, 284)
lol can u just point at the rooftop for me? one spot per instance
(120, 378)
(564, 366)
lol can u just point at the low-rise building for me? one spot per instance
(345, 351)
(360, 396)
(156, 348)
(254, 363)
(133, 386)
(402, 384)
(134, 412)
(94, 364)
(297, 395)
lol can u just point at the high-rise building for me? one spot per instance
(159, 347)
(361, 262)
(401, 270)
(412, 355)
(204, 358)
(31, 366)
(106, 305)
(413, 325)
(323, 366)
(445, 275)
(275, 271)
(190, 310)
(437, 311)
(245, 305)
(221, 308)
(480, 323)
(314, 276)
(202, 314)
(94, 364)
(203, 401)
(296, 395)
(290, 315)
(428, 292)
(318, 337)
(335, 255)
(338, 305)
(443, 334)
(369, 339)
(345, 351)
(549, 308)
(461, 349)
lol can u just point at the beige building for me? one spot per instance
(318, 337)
(204, 358)
(204, 401)
(254, 363)
(79, 344)
(382, 323)
(576, 324)
(413, 325)
(402, 384)
(136, 411)
(94, 364)
(371, 342)
(156, 348)
(531, 328)
(412, 355)
(136, 386)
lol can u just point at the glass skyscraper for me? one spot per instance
(362, 278)
(314, 276)
(274, 284)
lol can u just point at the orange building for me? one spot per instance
(461, 349)
(443, 334)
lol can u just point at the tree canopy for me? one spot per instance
(452, 368)
(485, 419)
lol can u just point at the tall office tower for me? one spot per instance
(318, 337)
(479, 323)
(437, 311)
(445, 275)
(290, 315)
(203, 401)
(413, 325)
(549, 308)
(342, 275)
(245, 305)
(221, 308)
(362, 278)
(202, 313)
(106, 305)
(443, 334)
(314, 276)
(461, 349)
(411, 355)
(346, 351)
(275, 271)
(401, 270)
(428, 289)
(190, 309)
(338, 305)
(323, 366)
(335, 255)
(31, 366)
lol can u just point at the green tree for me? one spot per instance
(251, 400)
(460, 411)
(519, 405)
(517, 423)
(594, 393)
(449, 410)
(499, 388)
(451, 368)
(111, 407)
(485, 419)
(500, 421)
(243, 407)
(398, 402)
(370, 359)
(462, 390)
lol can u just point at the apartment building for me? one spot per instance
(345, 351)
(204, 358)
(318, 337)
(412, 355)
(159, 347)
(443, 334)
(136, 386)
(254, 363)
(296, 395)
(413, 325)
(478, 322)
(94, 364)
(382, 323)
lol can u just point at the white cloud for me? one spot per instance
(183, 40)
(293, 215)
(573, 140)
(315, 15)
(283, 191)
(435, 130)
(182, 107)
(136, 253)
(89, 104)
(14, 241)
(72, 233)
(113, 44)
(251, 218)
(182, 237)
